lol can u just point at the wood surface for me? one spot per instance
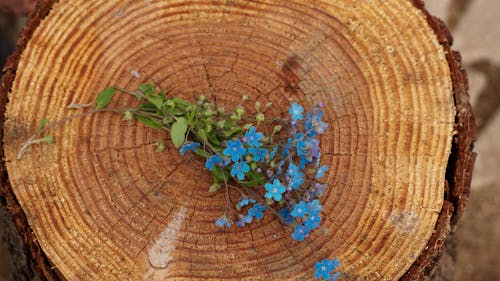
(101, 204)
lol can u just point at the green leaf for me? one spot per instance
(203, 135)
(213, 139)
(146, 88)
(247, 126)
(48, 139)
(232, 132)
(180, 102)
(104, 97)
(149, 122)
(162, 95)
(155, 99)
(200, 152)
(178, 131)
(220, 174)
(255, 179)
(192, 115)
(43, 123)
(147, 105)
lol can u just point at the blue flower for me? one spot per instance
(315, 149)
(286, 216)
(239, 169)
(244, 220)
(303, 162)
(191, 146)
(319, 187)
(223, 221)
(258, 154)
(235, 150)
(314, 207)
(324, 267)
(286, 150)
(301, 148)
(253, 138)
(274, 190)
(321, 172)
(300, 209)
(257, 211)
(300, 232)
(319, 113)
(273, 152)
(308, 123)
(212, 161)
(320, 127)
(296, 112)
(314, 124)
(295, 182)
(293, 171)
(299, 136)
(245, 201)
(280, 167)
(312, 221)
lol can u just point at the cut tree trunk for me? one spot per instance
(101, 204)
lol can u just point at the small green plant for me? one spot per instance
(272, 163)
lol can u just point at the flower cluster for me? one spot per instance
(273, 164)
(277, 172)
(287, 167)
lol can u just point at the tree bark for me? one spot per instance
(100, 204)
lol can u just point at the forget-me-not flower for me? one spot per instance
(258, 154)
(190, 146)
(235, 149)
(300, 232)
(324, 268)
(274, 190)
(253, 138)
(312, 221)
(239, 169)
(300, 210)
(321, 172)
(257, 211)
(212, 161)
(286, 216)
(244, 220)
(245, 201)
(314, 207)
(296, 112)
(223, 221)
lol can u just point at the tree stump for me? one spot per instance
(101, 204)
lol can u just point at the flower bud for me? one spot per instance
(128, 116)
(240, 110)
(170, 103)
(214, 188)
(260, 117)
